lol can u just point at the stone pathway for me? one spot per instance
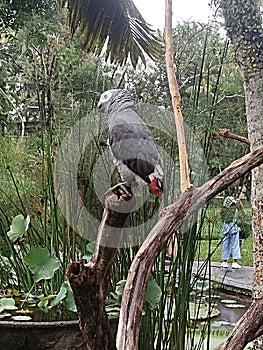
(240, 279)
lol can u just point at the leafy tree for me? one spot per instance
(115, 25)
(15, 13)
(210, 86)
(243, 22)
(42, 63)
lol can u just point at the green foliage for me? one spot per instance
(64, 296)
(19, 227)
(212, 97)
(90, 247)
(71, 86)
(152, 295)
(246, 30)
(118, 25)
(52, 103)
(245, 223)
(211, 90)
(15, 13)
(41, 263)
(7, 304)
(69, 299)
(210, 239)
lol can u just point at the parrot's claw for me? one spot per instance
(120, 190)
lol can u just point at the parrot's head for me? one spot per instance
(115, 99)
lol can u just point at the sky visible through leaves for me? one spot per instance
(187, 10)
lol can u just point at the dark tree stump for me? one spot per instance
(89, 281)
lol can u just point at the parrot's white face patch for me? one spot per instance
(104, 98)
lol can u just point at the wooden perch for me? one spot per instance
(176, 98)
(89, 282)
(228, 134)
(172, 217)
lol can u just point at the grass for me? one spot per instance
(210, 244)
(215, 246)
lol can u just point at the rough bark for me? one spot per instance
(89, 282)
(243, 22)
(171, 219)
(230, 135)
(176, 98)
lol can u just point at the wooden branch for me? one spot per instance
(176, 98)
(228, 134)
(89, 282)
(249, 327)
(172, 217)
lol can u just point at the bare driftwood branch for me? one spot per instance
(229, 135)
(89, 282)
(171, 219)
(176, 98)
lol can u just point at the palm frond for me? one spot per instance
(116, 25)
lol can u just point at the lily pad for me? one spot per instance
(112, 310)
(228, 301)
(201, 285)
(41, 263)
(18, 227)
(236, 306)
(4, 315)
(221, 324)
(7, 304)
(201, 312)
(21, 318)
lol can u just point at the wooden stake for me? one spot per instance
(176, 98)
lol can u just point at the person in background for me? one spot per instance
(230, 232)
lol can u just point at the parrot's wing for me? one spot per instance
(134, 144)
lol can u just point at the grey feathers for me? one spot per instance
(131, 141)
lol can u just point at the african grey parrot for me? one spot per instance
(132, 143)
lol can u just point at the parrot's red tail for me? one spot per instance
(154, 188)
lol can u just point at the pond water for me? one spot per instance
(32, 313)
(232, 314)
(232, 307)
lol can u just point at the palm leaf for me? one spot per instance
(115, 26)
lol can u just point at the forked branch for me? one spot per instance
(172, 217)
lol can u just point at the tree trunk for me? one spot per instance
(89, 281)
(243, 22)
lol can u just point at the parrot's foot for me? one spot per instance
(120, 190)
